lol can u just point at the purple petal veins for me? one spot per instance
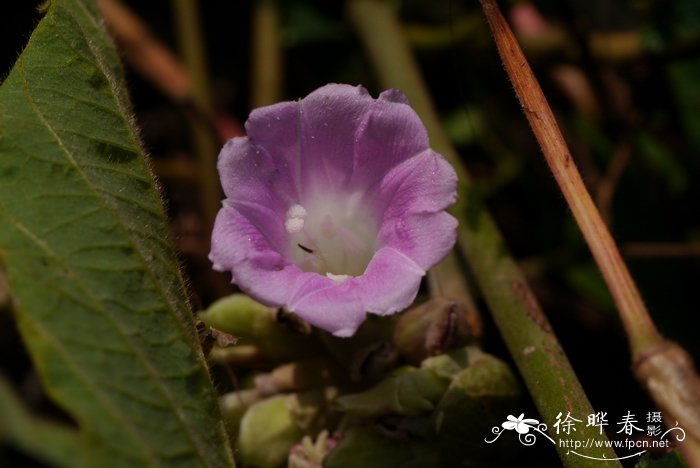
(335, 206)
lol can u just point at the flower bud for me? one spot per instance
(408, 391)
(233, 407)
(267, 433)
(434, 327)
(271, 330)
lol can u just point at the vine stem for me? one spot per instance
(526, 331)
(662, 366)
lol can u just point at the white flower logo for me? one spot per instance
(521, 425)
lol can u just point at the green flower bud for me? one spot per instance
(277, 334)
(267, 433)
(407, 391)
(433, 327)
(234, 405)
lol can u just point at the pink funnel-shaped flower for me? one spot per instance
(335, 206)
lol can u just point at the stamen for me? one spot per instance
(295, 219)
(296, 211)
(338, 279)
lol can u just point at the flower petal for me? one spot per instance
(423, 183)
(411, 198)
(267, 276)
(341, 308)
(257, 267)
(390, 133)
(315, 136)
(425, 238)
(255, 187)
(330, 118)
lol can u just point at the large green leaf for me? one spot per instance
(100, 301)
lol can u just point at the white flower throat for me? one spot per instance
(332, 235)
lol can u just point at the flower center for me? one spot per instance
(332, 235)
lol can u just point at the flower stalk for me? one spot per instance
(547, 372)
(663, 367)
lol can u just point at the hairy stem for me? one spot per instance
(639, 326)
(537, 353)
(663, 367)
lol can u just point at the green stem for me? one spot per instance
(266, 69)
(537, 353)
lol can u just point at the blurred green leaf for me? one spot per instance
(586, 279)
(304, 24)
(479, 397)
(684, 76)
(46, 440)
(100, 301)
(672, 459)
(368, 448)
(662, 160)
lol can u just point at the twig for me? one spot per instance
(660, 249)
(145, 52)
(663, 367)
(157, 63)
(537, 353)
(607, 185)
